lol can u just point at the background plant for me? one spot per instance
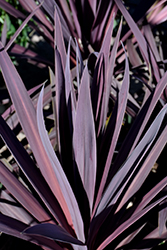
(93, 190)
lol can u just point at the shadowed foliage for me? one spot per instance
(81, 156)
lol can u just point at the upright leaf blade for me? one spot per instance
(122, 100)
(60, 175)
(59, 41)
(84, 139)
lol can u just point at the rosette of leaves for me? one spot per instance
(84, 184)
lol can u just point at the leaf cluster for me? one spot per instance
(84, 148)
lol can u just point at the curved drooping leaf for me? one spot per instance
(15, 228)
(59, 173)
(52, 232)
(84, 138)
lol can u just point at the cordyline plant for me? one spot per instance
(81, 184)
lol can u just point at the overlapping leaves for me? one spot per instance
(78, 195)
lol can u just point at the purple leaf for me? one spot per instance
(162, 217)
(52, 81)
(69, 90)
(146, 167)
(63, 129)
(128, 223)
(15, 228)
(21, 28)
(105, 49)
(59, 174)
(27, 117)
(79, 65)
(21, 193)
(34, 176)
(157, 93)
(97, 89)
(137, 33)
(21, 52)
(51, 231)
(11, 10)
(102, 20)
(49, 7)
(130, 237)
(75, 17)
(122, 100)
(159, 17)
(113, 54)
(93, 4)
(113, 188)
(84, 139)
(59, 41)
(19, 15)
(30, 6)
(67, 30)
(151, 194)
(155, 56)
(10, 207)
(132, 53)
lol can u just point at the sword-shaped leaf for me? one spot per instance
(59, 173)
(84, 139)
(128, 223)
(27, 117)
(122, 101)
(51, 231)
(19, 191)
